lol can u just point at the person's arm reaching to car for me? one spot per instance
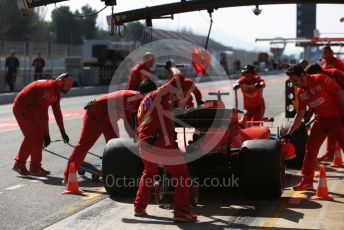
(296, 123)
(198, 95)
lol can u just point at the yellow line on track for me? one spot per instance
(90, 197)
(295, 198)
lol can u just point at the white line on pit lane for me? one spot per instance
(72, 115)
(37, 179)
(15, 187)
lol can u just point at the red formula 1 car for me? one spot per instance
(215, 145)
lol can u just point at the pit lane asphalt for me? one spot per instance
(38, 203)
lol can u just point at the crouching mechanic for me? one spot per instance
(157, 146)
(30, 109)
(324, 96)
(101, 117)
(252, 88)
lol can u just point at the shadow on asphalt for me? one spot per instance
(57, 181)
(50, 180)
(212, 223)
(94, 191)
(239, 211)
(90, 184)
(234, 207)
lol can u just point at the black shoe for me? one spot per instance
(21, 170)
(39, 172)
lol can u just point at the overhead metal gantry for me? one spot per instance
(36, 3)
(305, 42)
(161, 11)
(183, 6)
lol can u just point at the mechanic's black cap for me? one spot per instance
(248, 69)
(295, 70)
(147, 86)
(313, 68)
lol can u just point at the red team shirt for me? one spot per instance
(37, 97)
(336, 75)
(119, 103)
(253, 97)
(116, 105)
(155, 114)
(136, 76)
(320, 95)
(333, 63)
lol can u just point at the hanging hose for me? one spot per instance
(114, 29)
(210, 11)
(121, 32)
(112, 25)
(150, 24)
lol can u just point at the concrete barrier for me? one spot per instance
(8, 98)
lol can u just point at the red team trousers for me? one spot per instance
(179, 173)
(256, 113)
(92, 128)
(33, 131)
(319, 131)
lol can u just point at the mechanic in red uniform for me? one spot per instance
(330, 61)
(157, 146)
(30, 109)
(338, 76)
(101, 117)
(324, 96)
(141, 71)
(252, 88)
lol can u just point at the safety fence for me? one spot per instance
(55, 56)
(71, 58)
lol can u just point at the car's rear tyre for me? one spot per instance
(262, 172)
(299, 140)
(122, 169)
